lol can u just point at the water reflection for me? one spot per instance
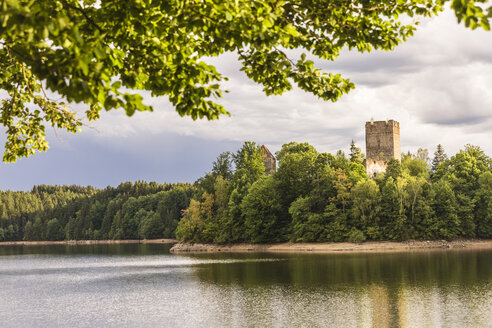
(424, 289)
(100, 249)
(425, 269)
(145, 286)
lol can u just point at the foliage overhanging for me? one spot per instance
(101, 52)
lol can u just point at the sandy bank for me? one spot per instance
(88, 242)
(373, 247)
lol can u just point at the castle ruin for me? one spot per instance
(382, 144)
(268, 160)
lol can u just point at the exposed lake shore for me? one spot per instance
(366, 247)
(88, 242)
(369, 247)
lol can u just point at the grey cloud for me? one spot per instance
(88, 160)
(457, 120)
(437, 85)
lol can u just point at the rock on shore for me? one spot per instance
(374, 247)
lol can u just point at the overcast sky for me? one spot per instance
(438, 85)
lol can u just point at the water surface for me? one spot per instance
(143, 285)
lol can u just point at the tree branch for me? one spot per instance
(81, 10)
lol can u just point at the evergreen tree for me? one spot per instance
(54, 230)
(439, 157)
(312, 197)
(28, 231)
(356, 155)
(113, 207)
(85, 212)
(70, 229)
(37, 230)
(10, 234)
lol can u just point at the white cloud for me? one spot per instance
(437, 85)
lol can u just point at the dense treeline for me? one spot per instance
(311, 197)
(320, 197)
(129, 211)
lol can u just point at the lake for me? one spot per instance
(143, 285)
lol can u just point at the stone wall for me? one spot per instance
(383, 140)
(374, 167)
(382, 144)
(269, 160)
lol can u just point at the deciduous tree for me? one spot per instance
(100, 52)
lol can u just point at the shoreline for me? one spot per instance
(345, 247)
(88, 242)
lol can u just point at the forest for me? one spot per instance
(312, 197)
(139, 210)
(321, 197)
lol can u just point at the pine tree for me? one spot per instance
(439, 157)
(37, 230)
(28, 233)
(356, 155)
(54, 231)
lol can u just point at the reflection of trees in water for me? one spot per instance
(424, 269)
(88, 249)
(374, 290)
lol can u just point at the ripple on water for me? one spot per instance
(386, 290)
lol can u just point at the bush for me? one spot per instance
(356, 236)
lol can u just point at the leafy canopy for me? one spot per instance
(100, 52)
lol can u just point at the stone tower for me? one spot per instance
(268, 160)
(382, 144)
